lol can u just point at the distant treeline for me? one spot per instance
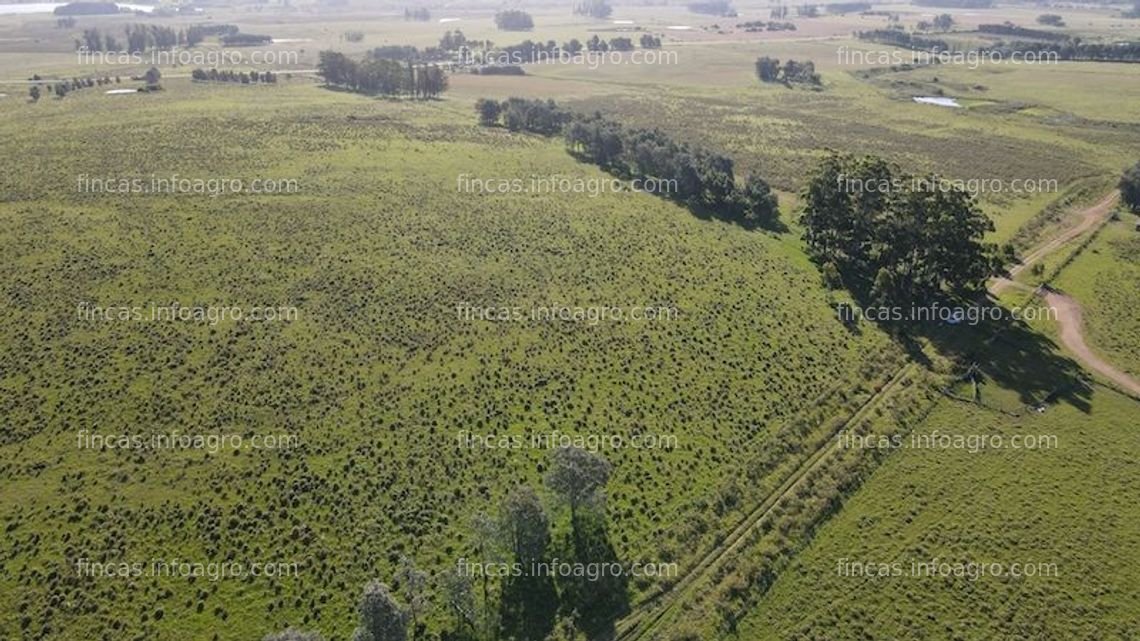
(699, 179)
(418, 14)
(529, 51)
(1074, 50)
(758, 25)
(1008, 29)
(86, 9)
(593, 8)
(713, 8)
(792, 71)
(1068, 49)
(904, 39)
(499, 70)
(956, 4)
(142, 37)
(381, 77)
(514, 20)
(839, 8)
(400, 52)
(216, 29)
(229, 75)
(454, 46)
(245, 39)
(139, 38)
(61, 89)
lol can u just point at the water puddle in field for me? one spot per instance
(278, 41)
(679, 27)
(937, 100)
(113, 92)
(443, 20)
(623, 21)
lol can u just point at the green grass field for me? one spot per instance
(379, 375)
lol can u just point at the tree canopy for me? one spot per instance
(904, 236)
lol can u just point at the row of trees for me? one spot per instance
(138, 38)
(418, 14)
(245, 39)
(1049, 45)
(754, 26)
(593, 8)
(514, 20)
(229, 75)
(1073, 50)
(1010, 29)
(792, 71)
(699, 179)
(713, 8)
(381, 77)
(61, 89)
(840, 8)
(882, 233)
(650, 41)
(942, 22)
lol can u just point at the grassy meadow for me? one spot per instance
(381, 245)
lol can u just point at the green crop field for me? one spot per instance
(407, 341)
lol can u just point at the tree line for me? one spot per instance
(138, 38)
(381, 76)
(754, 26)
(526, 606)
(1066, 48)
(245, 39)
(514, 20)
(1010, 29)
(701, 180)
(891, 237)
(713, 8)
(593, 8)
(229, 75)
(418, 14)
(792, 71)
(61, 89)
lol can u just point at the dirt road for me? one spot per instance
(1069, 310)
(1069, 319)
(1086, 221)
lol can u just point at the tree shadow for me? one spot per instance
(731, 214)
(1003, 350)
(529, 606)
(599, 595)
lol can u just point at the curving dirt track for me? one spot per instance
(1086, 221)
(1069, 319)
(1068, 309)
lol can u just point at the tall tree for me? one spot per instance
(1130, 187)
(381, 618)
(577, 476)
(413, 587)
